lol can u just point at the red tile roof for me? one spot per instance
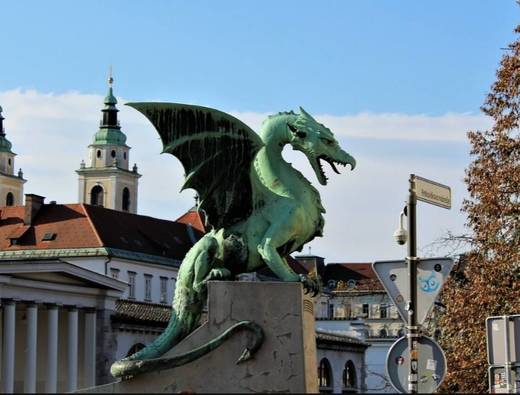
(84, 226)
(142, 313)
(365, 279)
(195, 218)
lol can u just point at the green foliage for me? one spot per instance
(489, 283)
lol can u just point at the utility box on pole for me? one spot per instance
(503, 350)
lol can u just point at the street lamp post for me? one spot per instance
(411, 259)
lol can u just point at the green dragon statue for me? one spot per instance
(261, 209)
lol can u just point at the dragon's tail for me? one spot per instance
(188, 303)
(128, 367)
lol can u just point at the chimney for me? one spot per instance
(33, 203)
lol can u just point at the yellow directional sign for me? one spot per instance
(432, 192)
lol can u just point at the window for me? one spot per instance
(131, 285)
(9, 199)
(9, 161)
(383, 333)
(323, 310)
(98, 154)
(49, 236)
(96, 196)
(114, 273)
(124, 155)
(113, 154)
(384, 311)
(331, 311)
(365, 310)
(349, 377)
(325, 376)
(164, 290)
(348, 311)
(148, 287)
(126, 199)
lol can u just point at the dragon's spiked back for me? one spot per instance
(216, 151)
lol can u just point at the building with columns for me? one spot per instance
(107, 180)
(11, 185)
(53, 324)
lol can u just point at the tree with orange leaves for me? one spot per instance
(489, 282)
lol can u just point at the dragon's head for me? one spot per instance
(317, 143)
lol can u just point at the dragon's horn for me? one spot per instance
(305, 113)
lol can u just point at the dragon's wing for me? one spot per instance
(216, 150)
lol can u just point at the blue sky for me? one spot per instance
(399, 82)
(332, 57)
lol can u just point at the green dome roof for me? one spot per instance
(110, 136)
(5, 145)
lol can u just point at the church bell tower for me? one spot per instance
(11, 185)
(107, 180)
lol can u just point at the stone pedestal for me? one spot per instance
(286, 362)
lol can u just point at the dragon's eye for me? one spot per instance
(296, 131)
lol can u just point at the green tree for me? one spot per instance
(489, 283)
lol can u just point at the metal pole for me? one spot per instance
(411, 259)
(506, 354)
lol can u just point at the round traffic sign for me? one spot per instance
(431, 367)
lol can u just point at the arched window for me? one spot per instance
(325, 376)
(135, 348)
(113, 153)
(383, 333)
(124, 155)
(349, 377)
(96, 196)
(126, 199)
(9, 199)
(98, 154)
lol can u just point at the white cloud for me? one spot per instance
(51, 132)
(390, 126)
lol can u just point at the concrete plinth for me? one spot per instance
(286, 362)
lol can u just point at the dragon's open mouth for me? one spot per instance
(332, 162)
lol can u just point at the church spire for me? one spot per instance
(109, 128)
(2, 133)
(106, 179)
(110, 111)
(5, 145)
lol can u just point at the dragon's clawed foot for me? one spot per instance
(218, 274)
(310, 284)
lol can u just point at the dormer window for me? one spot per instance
(49, 236)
